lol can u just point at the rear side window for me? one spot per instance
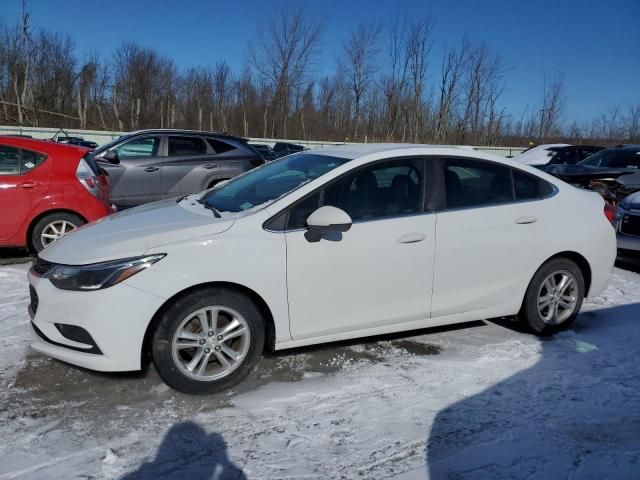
(185, 146)
(220, 146)
(30, 160)
(14, 161)
(470, 183)
(530, 187)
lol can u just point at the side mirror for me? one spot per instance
(327, 221)
(111, 156)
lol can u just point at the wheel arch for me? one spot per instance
(270, 332)
(40, 216)
(578, 259)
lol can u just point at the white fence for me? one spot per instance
(101, 136)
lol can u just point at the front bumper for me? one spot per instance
(115, 319)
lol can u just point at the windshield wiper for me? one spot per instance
(208, 206)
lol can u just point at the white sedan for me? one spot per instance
(319, 246)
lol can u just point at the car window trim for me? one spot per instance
(283, 214)
(441, 199)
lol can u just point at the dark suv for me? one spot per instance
(150, 165)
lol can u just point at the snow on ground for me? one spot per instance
(485, 401)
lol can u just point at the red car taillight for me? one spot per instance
(610, 212)
(96, 185)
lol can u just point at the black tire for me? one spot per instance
(36, 241)
(529, 312)
(172, 317)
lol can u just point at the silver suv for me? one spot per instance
(150, 165)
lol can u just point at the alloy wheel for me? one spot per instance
(210, 343)
(558, 297)
(55, 230)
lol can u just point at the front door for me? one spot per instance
(137, 179)
(380, 271)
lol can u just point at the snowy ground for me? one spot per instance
(484, 401)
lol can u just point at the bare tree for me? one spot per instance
(453, 66)
(553, 102)
(418, 48)
(283, 54)
(360, 51)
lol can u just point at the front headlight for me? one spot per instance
(99, 275)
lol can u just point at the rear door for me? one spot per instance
(22, 186)
(137, 179)
(487, 233)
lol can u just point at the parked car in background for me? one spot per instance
(616, 169)
(627, 225)
(341, 243)
(544, 156)
(79, 141)
(285, 148)
(264, 150)
(538, 154)
(46, 190)
(150, 165)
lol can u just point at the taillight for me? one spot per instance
(610, 212)
(89, 179)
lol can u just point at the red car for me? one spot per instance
(46, 190)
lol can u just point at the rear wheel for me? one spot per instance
(554, 296)
(52, 227)
(208, 341)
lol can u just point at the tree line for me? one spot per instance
(387, 85)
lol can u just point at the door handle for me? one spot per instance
(151, 169)
(211, 165)
(28, 184)
(526, 220)
(413, 237)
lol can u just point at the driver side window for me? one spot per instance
(139, 148)
(383, 190)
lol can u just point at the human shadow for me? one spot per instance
(189, 452)
(574, 414)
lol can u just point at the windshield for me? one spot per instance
(613, 158)
(270, 182)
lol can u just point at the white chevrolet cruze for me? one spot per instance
(316, 247)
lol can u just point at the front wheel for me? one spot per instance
(554, 296)
(208, 341)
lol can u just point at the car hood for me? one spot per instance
(132, 232)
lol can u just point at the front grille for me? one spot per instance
(630, 225)
(41, 267)
(34, 299)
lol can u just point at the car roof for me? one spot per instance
(45, 146)
(186, 132)
(354, 150)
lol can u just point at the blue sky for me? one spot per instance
(596, 43)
